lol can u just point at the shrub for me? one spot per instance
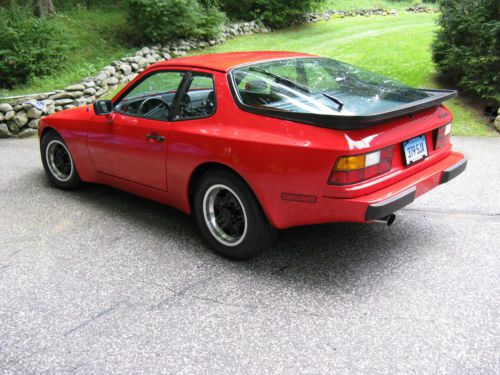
(467, 45)
(29, 47)
(275, 13)
(160, 21)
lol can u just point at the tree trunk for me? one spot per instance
(44, 7)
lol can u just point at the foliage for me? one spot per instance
(94, 37)
(467, 45)
(29, 46)
(275, 13)
(160, 21)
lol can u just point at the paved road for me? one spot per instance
(100, 281)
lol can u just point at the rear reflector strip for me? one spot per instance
(298, 198)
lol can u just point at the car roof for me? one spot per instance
(226, 61)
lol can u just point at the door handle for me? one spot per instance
(155, 137)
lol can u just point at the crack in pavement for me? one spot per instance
(258, 307)
(456, 213)
(306, 313)
(95, 317)
(182, 292)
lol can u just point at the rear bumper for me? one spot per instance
(386, 207)
(375, 205)
(382, 209)
(453, 171)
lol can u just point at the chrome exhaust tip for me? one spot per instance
(387, 220)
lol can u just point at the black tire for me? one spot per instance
(227, 191)
(58, 163)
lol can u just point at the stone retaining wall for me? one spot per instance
(329, 14)
(421, 9)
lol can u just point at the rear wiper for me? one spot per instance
(296, 85)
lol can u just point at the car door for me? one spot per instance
(131, 142)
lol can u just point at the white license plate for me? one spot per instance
(415, 149)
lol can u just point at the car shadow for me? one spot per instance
(329, 254)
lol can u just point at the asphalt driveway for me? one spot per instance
(100, 281)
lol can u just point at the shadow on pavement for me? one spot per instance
(337, 254)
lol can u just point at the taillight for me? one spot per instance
(353, 169)
(442, 136)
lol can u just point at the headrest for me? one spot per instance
(257, 86)
(186, 99)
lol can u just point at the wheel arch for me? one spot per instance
(204, 167)
(48, 129)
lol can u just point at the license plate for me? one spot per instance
(415, 149)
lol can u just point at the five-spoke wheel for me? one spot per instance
(58, 163)
(225, 215)
(230, 216)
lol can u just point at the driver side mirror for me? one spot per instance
(103, 107)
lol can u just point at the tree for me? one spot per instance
(43, 8)
(467, 46)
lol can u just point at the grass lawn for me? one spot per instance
(398, 47)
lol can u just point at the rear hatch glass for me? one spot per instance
(325, 91)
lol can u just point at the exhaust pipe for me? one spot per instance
(387, 220)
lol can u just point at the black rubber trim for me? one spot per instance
(453, 171)
(381, 209)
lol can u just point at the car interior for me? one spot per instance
(198, 101)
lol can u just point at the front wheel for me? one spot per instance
(58, 163)
(230, 217)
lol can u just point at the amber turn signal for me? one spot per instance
(353, 169)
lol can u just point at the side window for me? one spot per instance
(153, 97)
(199, 100)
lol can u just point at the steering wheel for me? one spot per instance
(151, 104)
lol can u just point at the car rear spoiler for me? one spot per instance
(340, 122)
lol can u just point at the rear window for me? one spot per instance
(320, 86)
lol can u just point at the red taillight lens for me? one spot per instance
(346, 178)
(442, 136)
(352, 169)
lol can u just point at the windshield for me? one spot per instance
(320, 86)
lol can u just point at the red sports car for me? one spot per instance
(253, 142)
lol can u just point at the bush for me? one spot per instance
(160, 21)
(29, 47)
(274, 13)
(467, 46)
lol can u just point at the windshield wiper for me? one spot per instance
(296, 85)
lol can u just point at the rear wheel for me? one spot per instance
(58, 163)
(230, 217)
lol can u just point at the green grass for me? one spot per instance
(94, 38)
(398, 47)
